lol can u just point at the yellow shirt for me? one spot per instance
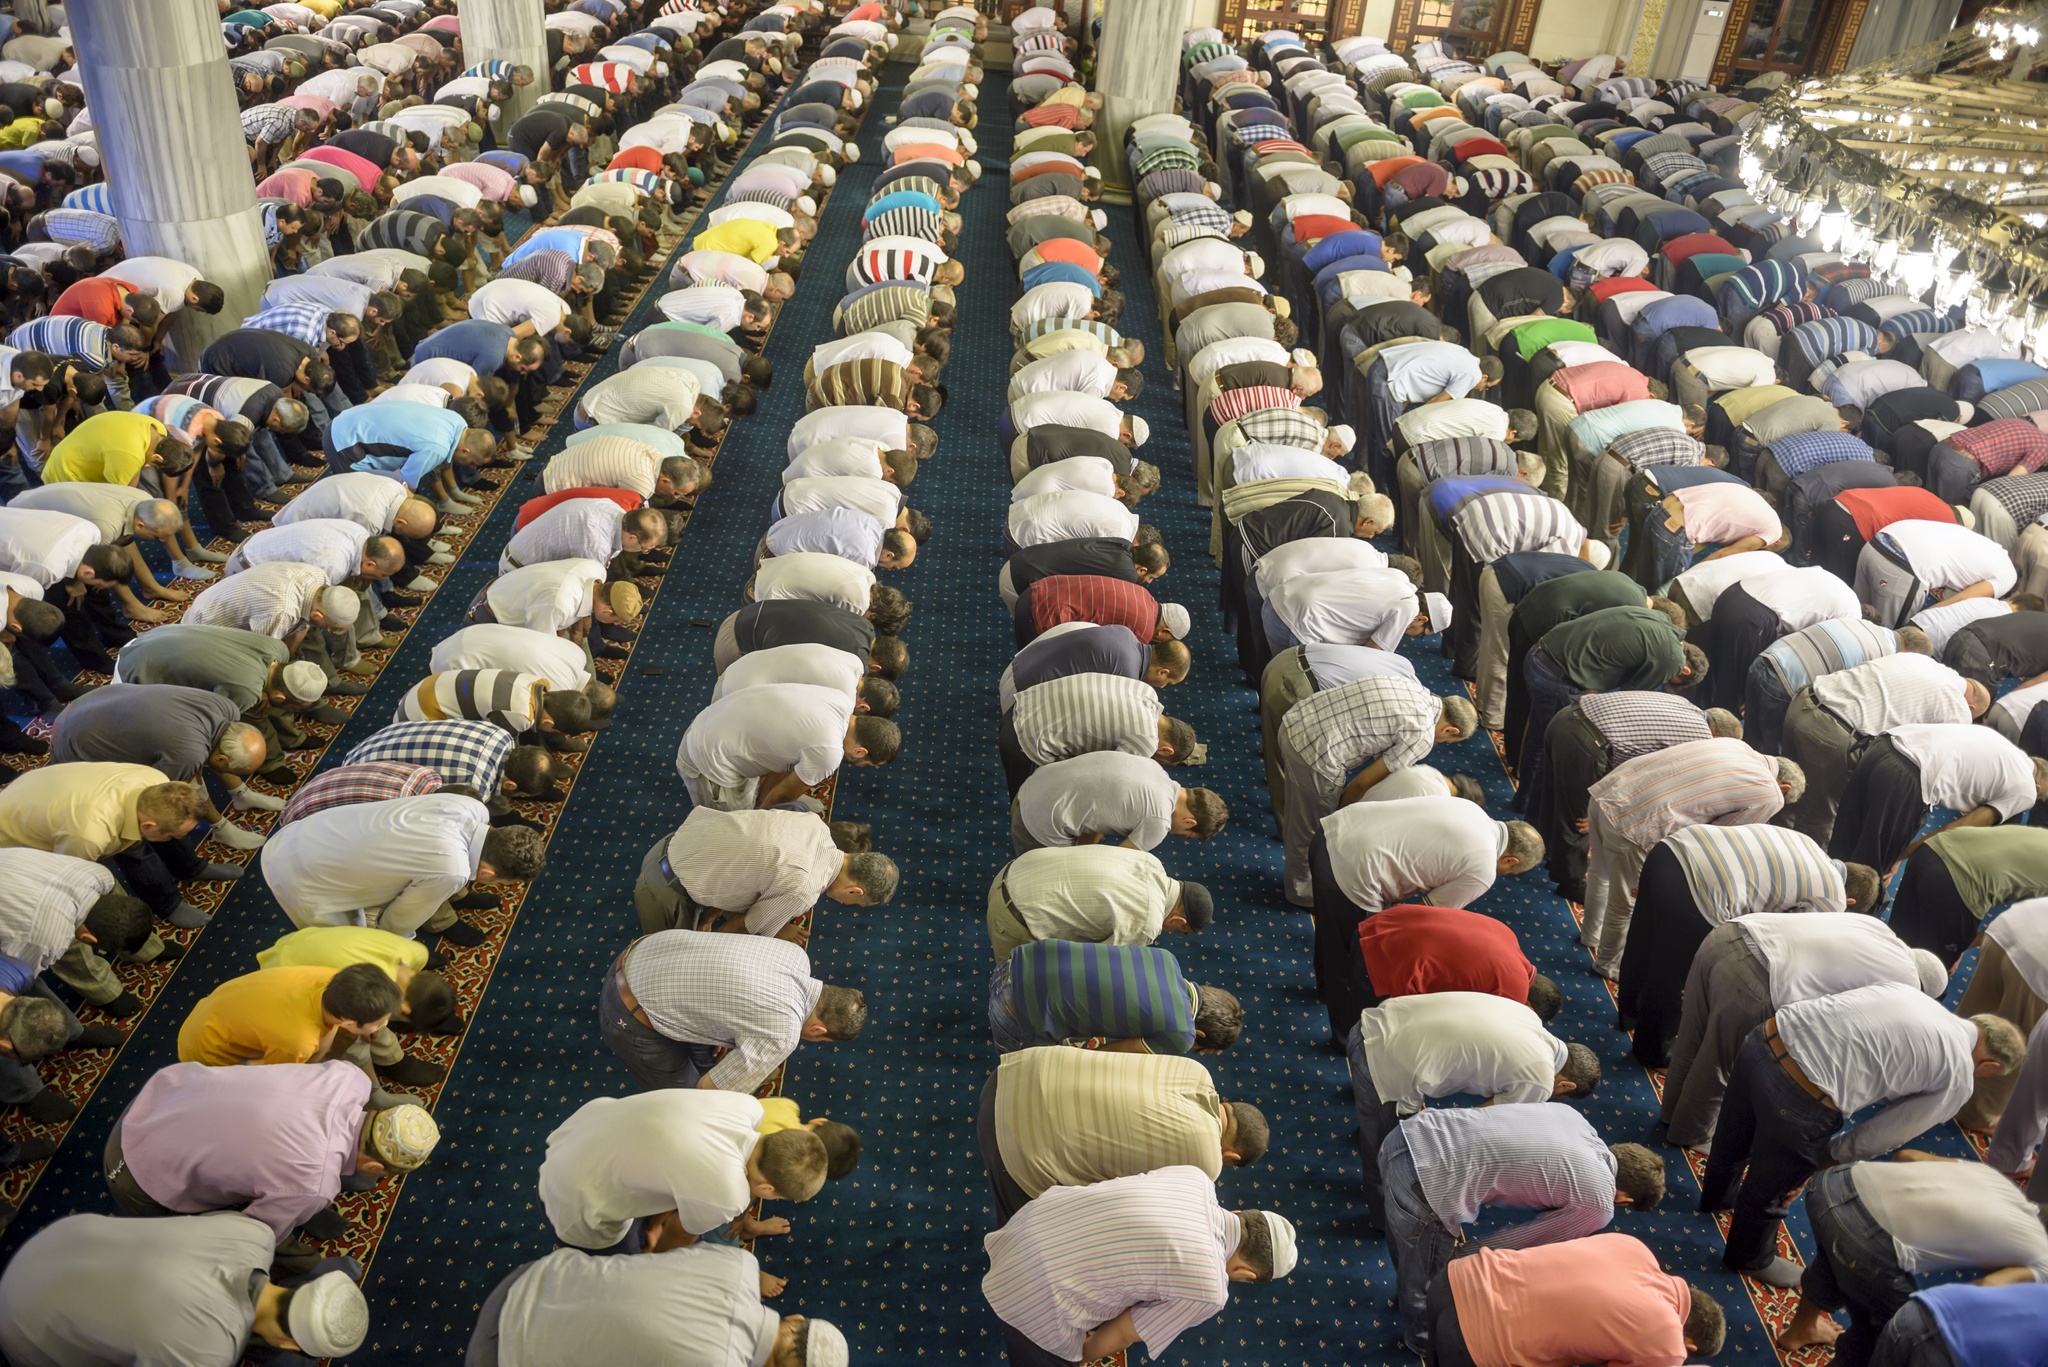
(270, 1016)
(748, 237)
(778, 1113)
(83, 810)
(107, 448)
(21, 133)
(340, 946)
(326, 9)
(1067, 94)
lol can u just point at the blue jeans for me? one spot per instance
(1011, 1034)
(1416, 1238)
(1769, 1122)
(654, 1060)
(1855, 1266)
(1912, 1339)
(1376, 1120)
(265, 466)
(1764, 700)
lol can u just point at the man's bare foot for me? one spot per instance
(1806, 1330)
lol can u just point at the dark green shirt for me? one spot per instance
(1618, 647)
(1557, 601)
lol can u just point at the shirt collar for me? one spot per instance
(1500, 839)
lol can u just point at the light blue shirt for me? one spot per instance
(419, 438)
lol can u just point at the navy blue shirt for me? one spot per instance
(477, 343)
(1089, 650)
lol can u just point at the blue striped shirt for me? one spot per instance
(1063, 991)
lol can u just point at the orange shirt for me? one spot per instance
(270, 1016)
(1071, 251)
(929, 151)
(1598, 1299)
(97, 297)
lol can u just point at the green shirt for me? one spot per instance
(1557, 601)
(1619, 647)
(1531, 338)
(1993, 865)
(231, 662)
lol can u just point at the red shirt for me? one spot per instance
(1478, 147)
(1075, 253)
(1603, 290)
(1093, 598)
(1051, 116)
(635, 159)
(534, 507)
(1315, 227)
(1680, 250)
(97, 298)
(1876, 509)
(1410, 950)
(1383, 171)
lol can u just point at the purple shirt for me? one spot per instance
(273, 1142)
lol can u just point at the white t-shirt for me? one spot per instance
(1348, 607)
(858, 456)
(807, 663)
(1705, 582)
(368, 500)
(492, 645)
(1080, 474)
(1944, 1215)
(1451, 1043)
(789, 728)
(42, 545)
(876, 497)
(1070, 516)
(816, 577)
(1813, 954)
(1442, 849)
(2021, 930)
(512, 302)
(620, 1158)
(551, 596)
(885, 425)
(1803, 596)
(1314, 555)
(1946, 555)
(1965, 767)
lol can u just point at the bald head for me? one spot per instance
(413, 520)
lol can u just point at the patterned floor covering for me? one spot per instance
(892, 1254)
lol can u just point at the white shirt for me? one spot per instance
(110, 507)
(1888, 1043)
(44, 898)
(885, 425)
(1813, 955)
(718, 306)
(1705, 582)
(1943, 1215)
(458, 192)
(1067, 410)
(876, 497)
(161, 277)
(789, 728)
(620, 1158)
(550, 596)
(1445, 848)
(1966, 767)
(379, 268)
(1804, 596)
(513, 302)
(659, 395)
(1072, 372)
(1944, 620)
(1259, 460)
(1082, 474)
(817, 577)
(858, 456)
(275, 599)
(370, 501)
(388, 864)
(490, 645)
(861, 346)
(1069, 516)
(1314, 555)
(1105, 793)
(1454, 418)
(335, 545)
(44, 546)
(1451, 1043)
(808, 663)
(438, 371)
(1732, 367)
(2021, 930)
(1348, 607)
(574, 529)
(1945, 555)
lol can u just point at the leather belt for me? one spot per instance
(1792, 1068)
(626, 997)
(1003, 891)
(668, 872)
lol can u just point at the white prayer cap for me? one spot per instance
(853, 91)
(824, 1345)
(969, 89)
(1281, 1231)
(1345, 436)
(1964, 411)
(1255, 263)
(1099, 219)
(1176, 620)
(1140, 430)
(88, 155)
(303, 680)
(1598, 556)
(852, 152)
(1933, 973)
(1439, 611)
(328, 1316)
(1092, 173)
(491, 114)
(806, 206)
(1242, 216)
(527, 196)
(340, 606)
(1302, 356)
(829, 175)
(404, 1136)
(1965, 517)
(1211, 189)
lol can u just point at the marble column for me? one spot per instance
(1137, 71)
(508, 31)
(163, 104)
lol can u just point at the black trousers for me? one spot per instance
(152, 869)
(1009, 1197)
(1836, 541)
(1017, 766)
(1341, 980)
(1882, 809)
(1447, 1342)
(1736, 634)
(1577, 758)
(1665, 934)
(1928, 912)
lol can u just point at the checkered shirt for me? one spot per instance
(353, 783)
(472, 752)
(269, 124)
(1803, 451)
(1345, 728)
(1640, 723)
(2004, 446)
(1657, 446)
(748, 993)
(307, 322)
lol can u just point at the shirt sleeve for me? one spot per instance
(1573, 1221)
(818, 763)
(1159, 1323)
(285, 1211)
(1898, 1123)
(421, 896)
(747, 1065)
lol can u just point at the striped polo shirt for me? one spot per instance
(1064, 991)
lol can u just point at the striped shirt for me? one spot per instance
(1097, 894)
(353, 783)
(44, 898)
(1637, 723)
(771, 865)
(1082, 713)
(1897, 690)
(604, 463)
(1721, 782)
(551, 270)
(1456, 457)
(1741, 870)
(1067, 992)
(1094, 598)
(750, 994)
(1541, 1158)
(868, 382)
(2014, 401)
(1827, 648)
(908, 221)
(1207, 214)
(1155, 1245)
(1236, 403)
(501, 697)
(1341, 729)
(1069, 1118)
(275, 599)
(1495, 523)
(1174, 234)
(65, 336)
(1657, 446)
(471, 752)
(899, 259)
(889, 304)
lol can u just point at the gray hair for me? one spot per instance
(877, 875)
(35, 1027)
(1379, 508)
(233, 747)
(1793, 778)
(1525, 845)
(2002, 1040)
(1722, 723)
(681, 470)
(159, 515)
(1460, 713)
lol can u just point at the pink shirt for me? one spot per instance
(362, 169)
(1601, 384)
(295, 185)
(1716, 514)
(495, 182)
(447, 23)
(1599, 1299)
(324, 108)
